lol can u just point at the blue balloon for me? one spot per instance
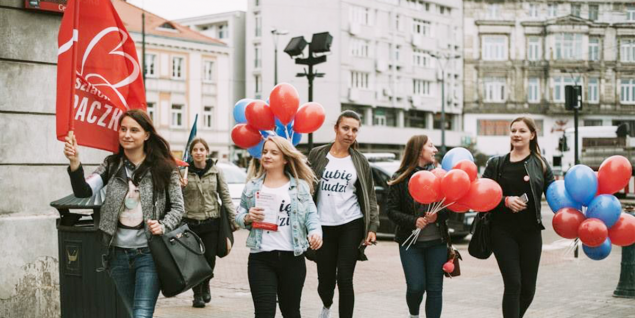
(600, 252)
(455, 155)
(256, 151)
(266, 133)
(581, 183)
(239, 110)
(282, 132)
(297, 137)
(279, 124)
(605, 207)
(558, 197)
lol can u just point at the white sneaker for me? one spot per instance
(414, 316)
(326, 313)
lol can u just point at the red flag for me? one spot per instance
(98, 74)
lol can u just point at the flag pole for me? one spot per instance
(75, 40)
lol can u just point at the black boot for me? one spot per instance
(198, 297)
(207, 296)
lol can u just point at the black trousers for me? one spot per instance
(518, 255)
(336, 261)
(207, 230)
(276, 273)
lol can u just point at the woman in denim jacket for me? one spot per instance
(276, 264)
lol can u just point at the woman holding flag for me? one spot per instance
(277, 209)
(422, 261)
(141, 178)
(202, 188)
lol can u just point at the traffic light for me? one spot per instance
(572, 97)
(562, 144)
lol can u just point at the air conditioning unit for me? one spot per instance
(381, 65)
(353, 94)
(355, 29)
(387, 92)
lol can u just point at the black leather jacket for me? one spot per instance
(540, 178)
(400, 207)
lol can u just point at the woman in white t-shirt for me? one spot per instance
(276, 206)
(347, 207)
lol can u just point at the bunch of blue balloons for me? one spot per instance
(285, 131)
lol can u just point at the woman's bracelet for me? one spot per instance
(507, 202)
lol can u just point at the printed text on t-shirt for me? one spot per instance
(337, 175)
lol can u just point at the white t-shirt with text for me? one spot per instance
(337, 200)
(280, 240)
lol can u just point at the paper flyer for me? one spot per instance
(269, 203)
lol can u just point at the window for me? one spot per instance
(208, 71)
(630, 13)
(397, 52)
(443, 10)
(568, 46)
(421, 59)
(257, 56)
(360, 15)
(258, 25)
(594, 12)
(383, 116)
(552, 9)
(534, 49)
(415, 118)
(359, 80)
(257, 2)
(592, 122)
(151, 112)
(208, 112)
(559, 82)
(627, 91)
(494, 48)
(576, 10)
(223, 31)
(594, 49)
(436, 123)
(359, 47)
(593, 91)
(178, 67)
(398, 23)
(421, 87)
(258, 84)
(533, 10)
(421, 27)
(499, 127)
(492, 11)
(533, 90)
(627, 52)
(177, 116)
(150, 65)
(494, 89)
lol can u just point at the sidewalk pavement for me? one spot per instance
(567, 287)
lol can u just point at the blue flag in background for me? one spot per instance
(186, 154)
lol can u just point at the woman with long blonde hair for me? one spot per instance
(276, 264)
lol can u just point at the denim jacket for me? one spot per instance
(303, 217)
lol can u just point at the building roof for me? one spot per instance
(156, 25)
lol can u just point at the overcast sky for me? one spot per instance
(172, 10)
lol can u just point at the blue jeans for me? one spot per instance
(423, 266)
(136, 279)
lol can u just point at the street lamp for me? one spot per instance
(446, 58)
(274, 33)
(320, 43)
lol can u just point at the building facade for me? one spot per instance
(381, 64)
(520, 55)
(186, 73)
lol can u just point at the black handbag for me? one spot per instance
(179, 258)
(225, 231)
(480, 244)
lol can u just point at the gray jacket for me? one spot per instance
(114, 177)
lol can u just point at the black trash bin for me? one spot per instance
(84, 292)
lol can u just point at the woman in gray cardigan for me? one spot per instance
(141, 178)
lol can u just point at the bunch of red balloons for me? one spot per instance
(458, 189)
(586, 208)
(281, 114)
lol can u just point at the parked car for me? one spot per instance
(383, 167)
(236, 178)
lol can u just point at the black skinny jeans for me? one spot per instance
(208, 232)
(336, 261)
(518, 255)
(276, 273)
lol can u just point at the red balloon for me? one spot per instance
(309, 118)
(593, 232)
(424, 188)
(455, 185)
(567, 221)
(259, 115)
(614, 174)
(448, 267)
(284, 102)
(245, 136)
(440, 173)
(483, 196)
(469, 167)
(458, 208)
(622, 233)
